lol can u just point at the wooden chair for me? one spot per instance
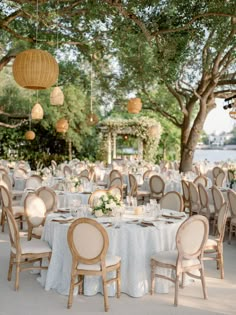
(67, 171)
(114, 174)
(172, 200)
(116, 191)
(35, 214)
(49, 197)
(232, 207)
(157, 187)
(24, 252)
(213, 249)
(206, 209)
(185, 190)
(141, 195)
(218, 200)
(200, 179)
(33, 182)
(17, 211)
(219, 180)
(194, 200)
(191, 238)
(216, 171)
(88, 242)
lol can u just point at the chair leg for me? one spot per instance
(176, 290)
(105, 294)
(230, 234)
(3, 219)
(118, 283)
(221, 262)
(203, 283)
(70, 297)
(11, 262)
(152, 277)
(17, 275)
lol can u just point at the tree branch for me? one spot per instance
(13, 126)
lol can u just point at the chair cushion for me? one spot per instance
(18, 210)
(233, 221)
(34, 246)
(110, 261)
(211, 243)
(170, 257)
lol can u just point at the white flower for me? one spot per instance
(98, 213)
(105, 198)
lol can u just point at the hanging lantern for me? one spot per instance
(92, 119)
(37, 112)
(232, 113)
(35, 69)
(153, 131)
(56, 96)
(134, 105)
(29, 135)
(62, 125)
(125, 137)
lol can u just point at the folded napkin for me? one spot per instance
(168, 216)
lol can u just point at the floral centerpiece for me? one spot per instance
(232, 176)
(105, 205)
(74, 182)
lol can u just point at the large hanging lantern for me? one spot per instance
(56, 96)
(29, 135)
(92, 119)
(62, 125)
(134, 105)
(37, 112)
(35, 69)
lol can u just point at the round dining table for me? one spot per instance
(134, 239)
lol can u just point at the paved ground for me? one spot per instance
(33, 299)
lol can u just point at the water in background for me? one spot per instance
(215, 155)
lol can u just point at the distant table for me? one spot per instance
(134, 243)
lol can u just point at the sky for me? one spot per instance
(218, 120)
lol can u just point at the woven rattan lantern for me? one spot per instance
(92, 119)
(56, 96)
(37, 112)
(62, 125)
(134, 105)
(29, 135)
(35, 69)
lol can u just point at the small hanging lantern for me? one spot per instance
(37, 112)
(56, 96)
(232, 113)
(29, 135)
(92, 119)
(125, 137)
(134, 105)
(35, 69)
(62, 125)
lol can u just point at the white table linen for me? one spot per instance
(133, 243)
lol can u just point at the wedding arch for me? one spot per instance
(147, 130)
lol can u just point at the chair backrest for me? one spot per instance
(200, 179)
(7, 180)
(13, 231)
(35, 210)
(219, 180)
(84, 179)
(97, 194)
(115, 191)
(3, 170)
(34, 182)
(54, 164)
(157, 184)
(85, 172)
(114, 174)
(20, 172)
(133, 185)
(191, 238)
(67, 170)
(172, 200)
(49, 197)
(230, 174)
(203, 196)
(232, 202)
(6, 198)
(88, 241)
(148, 174)
(221, 221)
(216, 171)
(117, 181)
(185, 189)
(193, 192)
(218, 198)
